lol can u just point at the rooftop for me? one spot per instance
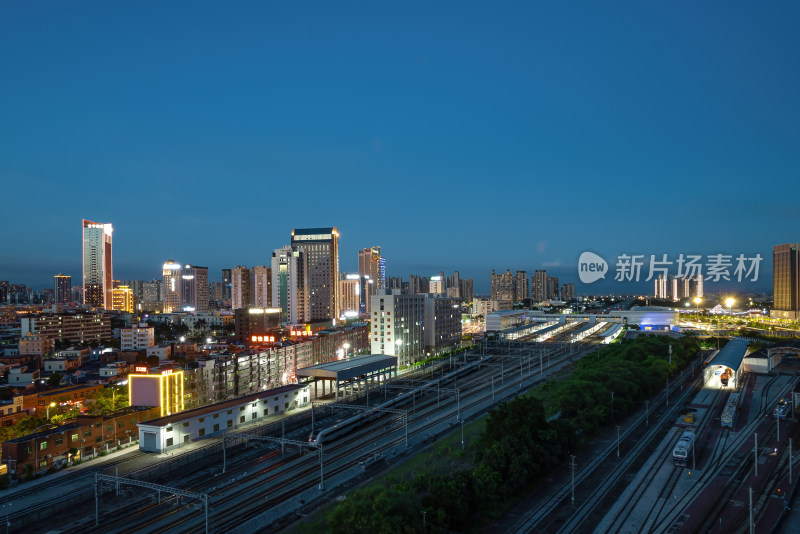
(344, 369)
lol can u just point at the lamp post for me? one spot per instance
(729, 302)
(697, 301)
(51, 405)
(346, 347)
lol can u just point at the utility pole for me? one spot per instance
(617, 441)
(668, 391)
(572, 468)
(751, 509)
(647, 413)
(612, 406)
(755, 451)
(790, 460)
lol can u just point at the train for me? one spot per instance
(683, 450)
(730, 411)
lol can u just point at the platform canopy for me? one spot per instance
(731, 355)
(347, 369)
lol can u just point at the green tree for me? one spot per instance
(54, 380)
(376, 511)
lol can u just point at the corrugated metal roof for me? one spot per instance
(344, 369)
(732, 354)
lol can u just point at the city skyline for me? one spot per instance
(434, 136)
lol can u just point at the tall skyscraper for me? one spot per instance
(370, 263)
(261, 286)
(172, 286)
(552, 287)
(568, 292)
(195, 288)
(396, 323)
(62, 288)
(502, 286)
(289, 284)
(521, 291)
(321, 249)
(241, 288)
(786, 280)
(97, 264)
(661, 287)
(539, 286)
(226, 284)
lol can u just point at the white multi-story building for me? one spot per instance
(289, 288)
(442, 326)
(397, 325)
(137, 337)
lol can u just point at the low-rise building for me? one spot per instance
(84, 438)
(22, 375)
(35, 344)
(165, 433)
(137, 337)
(68, 327)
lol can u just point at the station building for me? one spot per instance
(354, 373)
(165, 433)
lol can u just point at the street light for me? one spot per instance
(729, 302)
(697, 301)
(346, 349)
(51, 405)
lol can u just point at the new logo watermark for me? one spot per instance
(591, 267)
(717, 267)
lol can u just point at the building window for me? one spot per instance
(169, 442)
(230, 423)
(169, 429)
(202, 432)
(59, 440)
(216, 427)
(74, 437)
(230, 412)
(42, 445)
(241, 419)
(275, 409)
(87, 433)
(121, 424)
(185, 425)
(98, 439)
(216, 416)
(202, 419)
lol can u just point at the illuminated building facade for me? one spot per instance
(396, 323)
(321, 249)
(502, 286)
(171, 286)
(97, 264)
(162, 388)
(786, 281)
(371, 264)
(122, 299)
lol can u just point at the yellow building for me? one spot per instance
(158, 387)
(122, 299)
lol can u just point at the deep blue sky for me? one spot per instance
(463, 135)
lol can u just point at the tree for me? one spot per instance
(54, 380)
(377, 511)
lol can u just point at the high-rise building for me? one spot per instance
(373, 265)
(97, 264)
(417, 285)
(786, 281)
(172, 286)
(521, 290)
(226, 284)
(662, 288)
(539, 286)
(152, 291)
(436, 285)
(194, 280)
(289, 284)
(502, 286)
(321, 249)
(568, 292)
(396, 322)
(122, 299)
(261, 286)
(552, 287)
(62, 288)
(241, 288)
(442, 324)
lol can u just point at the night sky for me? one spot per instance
(462, 135)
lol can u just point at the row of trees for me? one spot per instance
(518, 447)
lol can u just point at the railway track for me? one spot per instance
(261, 489)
